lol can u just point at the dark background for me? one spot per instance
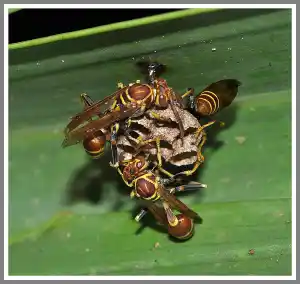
(29, 24)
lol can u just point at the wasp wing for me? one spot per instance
(86, 100)
(177, 204)
(178, 98)
(178, 118)
(77, 135)
(96, 109)
(158, 213)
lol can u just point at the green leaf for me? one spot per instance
(13, 10)
(247, 204)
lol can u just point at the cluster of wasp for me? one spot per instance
(149, 125)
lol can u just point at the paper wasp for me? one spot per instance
(213, 98)
(94, 136)
(208, 102)
(97, 115)
(150, 188)
(127, 102)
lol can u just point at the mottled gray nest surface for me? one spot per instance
(173, 151)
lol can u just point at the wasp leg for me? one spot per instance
(189, 92)
(113, 145)
(132, 194)
(201, 128)
(129, 184)
(126, 127)
(199, 161)
(159, 158)
(181, 128)
(171, 217)
(200, 157)
(141, 214)
(139, 111)
(156, 116)
(86, 100)
(188, 99)
(125, 181)
(188, 187)
(221, 123)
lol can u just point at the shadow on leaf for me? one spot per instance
(147, 221)
(88, 183)
(214, 144)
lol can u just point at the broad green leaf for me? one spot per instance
(13, 10)
(247, 204)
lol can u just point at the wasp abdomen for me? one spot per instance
(216, 96)
(230, 89)
(95, 145)
(184, 229)
(207, 103)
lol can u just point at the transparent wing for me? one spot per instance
(177, 204)
(77, 135)
(96, 109)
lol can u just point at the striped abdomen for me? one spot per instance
(207, 103)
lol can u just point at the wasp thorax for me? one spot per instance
(184, 229)
(95, 144)
(145, 188)
(139, 91)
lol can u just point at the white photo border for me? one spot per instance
(214, 4)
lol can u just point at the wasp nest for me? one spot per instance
(173, 149)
